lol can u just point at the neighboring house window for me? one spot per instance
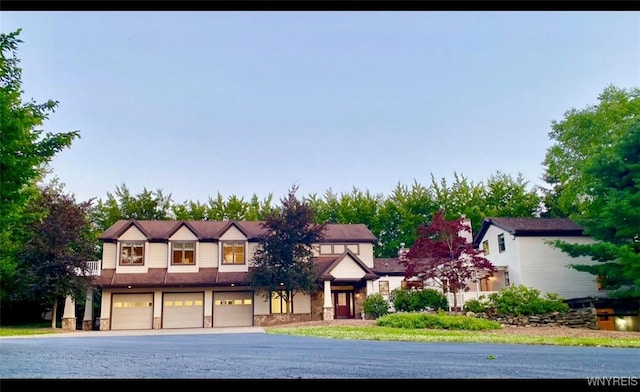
(507, 280)
(338, 249)
(183, 252)
(384, 287)
(485, 247)
(279, 304)
(132, 253)
(501, 246)
(233, 253)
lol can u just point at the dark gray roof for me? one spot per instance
(162, 230)
(531, 227)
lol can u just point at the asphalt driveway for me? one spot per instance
(252, 354)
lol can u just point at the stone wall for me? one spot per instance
(575, 318)
(278, 319)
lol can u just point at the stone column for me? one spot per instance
(327, 312)
(69, 315)
(87, 321)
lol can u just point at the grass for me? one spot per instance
(450, 336)
(28, 329)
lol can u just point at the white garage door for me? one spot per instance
(132, 311)
(233, 309)
(183, 310)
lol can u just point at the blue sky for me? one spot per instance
(242, 103)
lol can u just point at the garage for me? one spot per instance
(132, 311)
(233, 309)
(183, 310)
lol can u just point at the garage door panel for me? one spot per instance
(132, 311)
(233, 309)
(183, 310)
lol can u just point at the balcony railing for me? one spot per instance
(94, 266)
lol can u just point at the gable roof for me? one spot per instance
(162, 230)
(326, 266)
(530, 227)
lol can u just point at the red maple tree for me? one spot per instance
(441, 256)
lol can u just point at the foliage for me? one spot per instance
(417, 300)
(53, 261)
(479, 305)
(24, 153)
(146, 205)
(283, 262)
(435, 321)
(613, 218)
(519, 300)
(443, 257)
(375, 305)
(579, 138)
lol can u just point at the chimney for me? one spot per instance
(468, 235)
(402, 251)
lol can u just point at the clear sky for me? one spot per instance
(242, 103)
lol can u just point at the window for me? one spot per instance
(485, 247)
(233, 253)
(501, 247)
(183, 253)
(507, 280)
(338, 249)
(132, 253)
(384, 287)
(279, 304)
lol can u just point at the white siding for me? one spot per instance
(253, 246)
(132, 234)
(207, 256)
(183, 234)
(260, 304)
(233, 234)
(508, 258)
(158, 253)
(546, 268)
(301, 303)
(109, 255)
(366, 254)
(347, 269)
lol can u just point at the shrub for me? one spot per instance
(416, 300)
(479, 305)
(525, 301)
(440, 320)
(375, 305)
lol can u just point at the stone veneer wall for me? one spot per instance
(265, 320)
(575, 318)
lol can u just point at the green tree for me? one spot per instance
(612, 216)
(442, 256)
(283, 264)
(24, 153)
(579, 137)
(54, 258)
(146, 205)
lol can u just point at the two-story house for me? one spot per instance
(520, 249)
(192, 274)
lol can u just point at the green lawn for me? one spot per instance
(461, 336)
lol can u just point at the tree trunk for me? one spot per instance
(455, 301)
(54, 313)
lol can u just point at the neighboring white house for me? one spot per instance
(519, 248)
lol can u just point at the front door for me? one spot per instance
(343, 304)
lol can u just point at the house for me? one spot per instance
(192, 274)
(519, 248)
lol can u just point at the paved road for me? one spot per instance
(252, 354)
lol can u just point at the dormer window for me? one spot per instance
(183, 253)
(132, 253)
(233, 252)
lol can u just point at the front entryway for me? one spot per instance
(343, 304)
